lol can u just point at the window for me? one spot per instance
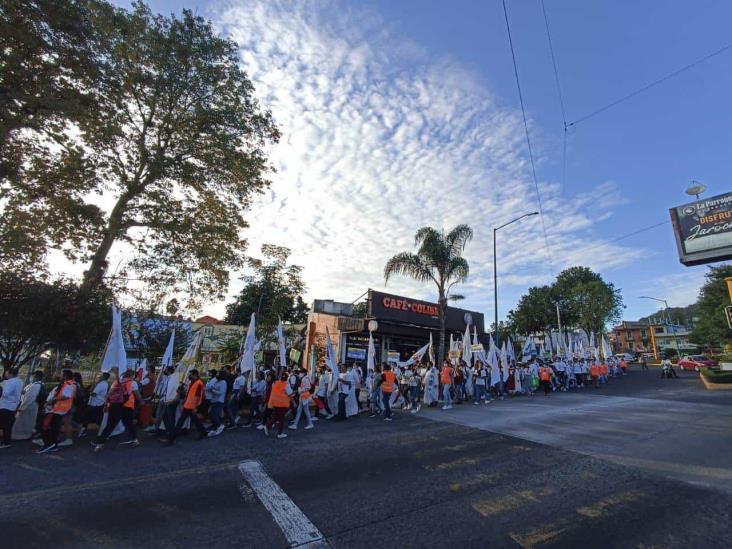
(643, 334)
(658, 329)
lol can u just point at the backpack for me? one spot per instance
(42, 395)
(117, 394)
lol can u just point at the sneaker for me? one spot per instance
(150, 429)
(387, 419)
(82, 432)
(476, 403)
(315, 419)
(65, 442)
(5, 446)
(38, 442)
(372, 415)
(98, 447)
(266, 431)
(282, 435)
(236, 421)
(220, 429)
(414, 411)
(444, 407)
(311, 426)
(329, 416)
(419, 407)
(212, 434)
(126, 442)
(449, 407)
(259, 427)
(46, 449)
(135, 443)
(293, 427)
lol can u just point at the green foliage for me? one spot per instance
(585, 301)
(175, 142)
(273, 291)
(36, 316)
(439, 259)
(717, 376)
(711, 329)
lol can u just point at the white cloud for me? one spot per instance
(380, 139)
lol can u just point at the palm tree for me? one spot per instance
(439, 259)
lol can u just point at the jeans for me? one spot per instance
(277, 416)
(446, 396)
(386, 399)
(377, 403)
(414, 394)
(214, 414)
(50, 433)
(479, 392)
(342, 406)
(169, 417)
(303, 408)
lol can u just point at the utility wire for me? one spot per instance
(639, 231)
(651, 85)
(559, 93)
(526, 129)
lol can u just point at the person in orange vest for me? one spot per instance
(193, 399)
(121, 400)
(595, 374)
(603, 373)
(623, 365)
(279, 404)
(387, 383)
(61, 401)
(545, 378)
(446, 376)
(147, 391)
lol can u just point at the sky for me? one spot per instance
(397, 115)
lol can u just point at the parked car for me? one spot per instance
(696, 362)
(627, 356)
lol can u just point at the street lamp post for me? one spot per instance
(668, 320)
(495, 269)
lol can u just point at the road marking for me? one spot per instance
(296, 527)
(31, 468)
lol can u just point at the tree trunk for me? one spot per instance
(98, 267)
(442, 309)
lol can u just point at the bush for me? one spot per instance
(717, 376)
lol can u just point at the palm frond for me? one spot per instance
(407, 264)
(457, 269)
(426, 233)
(458, 238)
(456, 297)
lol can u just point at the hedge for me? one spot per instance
(717, 376)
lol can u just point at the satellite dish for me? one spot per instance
(696, 189)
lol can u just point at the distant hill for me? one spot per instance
(682, 315)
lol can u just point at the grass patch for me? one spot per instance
(716, 376)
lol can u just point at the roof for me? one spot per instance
(207, 320)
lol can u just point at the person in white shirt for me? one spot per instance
(344, 388)
(237, 392)
(12, 389)
(27, 416)
(480, 382)
(218, 397)
(97, 399)
(304, 389)
(321, 394)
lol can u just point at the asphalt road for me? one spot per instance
(421, 481)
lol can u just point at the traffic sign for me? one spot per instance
(728, 314)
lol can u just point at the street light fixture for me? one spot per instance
(495, 268)
(668, 320)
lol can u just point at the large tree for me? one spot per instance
(167, 165)
(534, 311)
(710, 328)
(273, 291)
(438, 259)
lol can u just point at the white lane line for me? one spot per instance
(296, 527)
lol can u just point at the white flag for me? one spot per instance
(432, 351)
(168, 355)
(247, 362)
(330, 360)
(467, 352)
(281, 342)
(371, 355)
(115, 355)
(416, 357)
(504, 362)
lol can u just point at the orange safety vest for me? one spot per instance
(623, 364)
(279, 398)
(63, 407)
(387, 385)
(446, 376)
(194, 397)
(603, 369)
(544, 374)
(594, 370)
(127, 387)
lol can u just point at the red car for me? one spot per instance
(696, 363)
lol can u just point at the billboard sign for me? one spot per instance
(703, 230)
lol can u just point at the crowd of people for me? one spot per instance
(272, 401)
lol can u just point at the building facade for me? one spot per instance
(402, 326)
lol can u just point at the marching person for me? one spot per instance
(415, 383)
(431, 386)
(218, 399)
(545, 377)
(193, 399)
(147, 392)
(61, 399)
(12, 390)
(480, 380)
(377, 401)
(305, 390)
(446, 378)
(33, 397)
(279, 404)
(321, 394)
(95, 407)
(387, 388)
(238, 389)
(122, 398)
(259, 389)
(344, 389)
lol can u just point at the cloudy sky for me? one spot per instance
(397, 115)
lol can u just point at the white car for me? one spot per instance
(626, 356)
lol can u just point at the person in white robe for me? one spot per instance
(351, 400)
(27, 414)
(431, 386)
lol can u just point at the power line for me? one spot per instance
(559, 93)
(526, 129)
(639, 231)
(651, 85)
